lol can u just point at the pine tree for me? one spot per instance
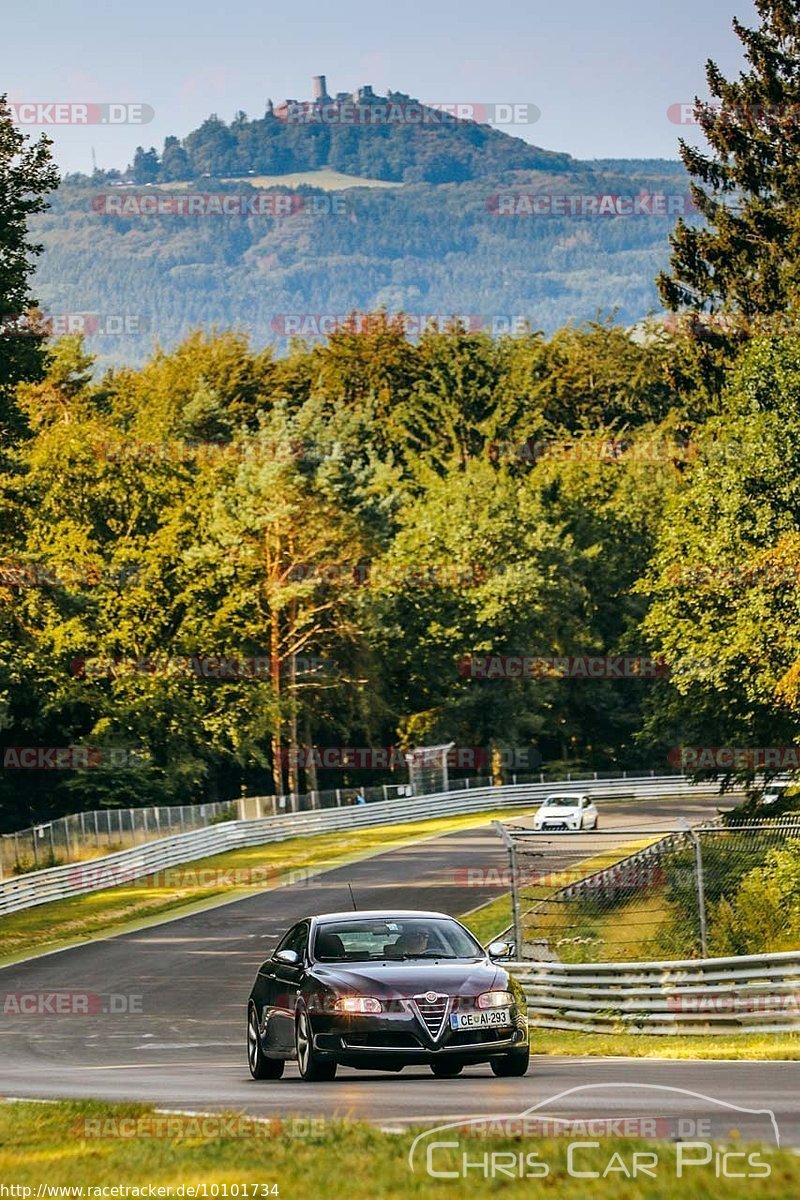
(746, 256)
(27, 174)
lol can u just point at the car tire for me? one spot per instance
(446, 1070)
(260, 1066)
(313, 1067)
(511, 1065)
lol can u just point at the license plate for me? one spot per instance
(480, 1020)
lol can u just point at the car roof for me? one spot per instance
(377, 914)
(566, 796)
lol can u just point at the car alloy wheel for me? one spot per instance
(313, 1068)
(260, 1066)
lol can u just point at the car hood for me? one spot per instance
(412, 977)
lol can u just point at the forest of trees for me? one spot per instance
(364, 516)
(348, 526)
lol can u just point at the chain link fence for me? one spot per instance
(101, 831)
(632, 895)
(86, 835)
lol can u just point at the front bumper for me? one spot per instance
(403, 1039)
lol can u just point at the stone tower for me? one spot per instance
(319, 90)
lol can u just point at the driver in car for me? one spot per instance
(415, 941)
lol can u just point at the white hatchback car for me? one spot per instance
(566, 811)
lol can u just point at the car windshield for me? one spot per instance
(561, 802)
(394, 939)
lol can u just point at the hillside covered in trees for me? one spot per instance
(422, 249)
(420, 145)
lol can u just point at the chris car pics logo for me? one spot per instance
(699, 1142)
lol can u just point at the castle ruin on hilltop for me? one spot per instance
(361, 105)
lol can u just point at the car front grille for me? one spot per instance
(381, 1041)
(432, 1012)
(476, 1037)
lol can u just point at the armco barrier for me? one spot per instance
(758, 993)
(60, 883)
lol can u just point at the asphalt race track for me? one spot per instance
(166, 1019)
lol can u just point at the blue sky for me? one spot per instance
(602, 74)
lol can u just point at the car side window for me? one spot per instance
(296, 939)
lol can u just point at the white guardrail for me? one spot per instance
(61, 883)
(757, 993)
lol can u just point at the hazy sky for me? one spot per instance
(602, 74)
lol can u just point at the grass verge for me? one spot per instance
(62, 1145)
(182, 890)
(736, 1047)
(496, 916)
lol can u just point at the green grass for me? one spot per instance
(48, 1144)
(147, 900)
(496, 916)
(326, 179)
(743, 1046)
(490, 919)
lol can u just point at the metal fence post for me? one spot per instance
(508, 842)
(701, 891)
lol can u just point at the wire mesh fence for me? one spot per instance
(634, 895)
(86, 835)
(101, 831)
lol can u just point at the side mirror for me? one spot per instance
(498, 950)
(289, 957)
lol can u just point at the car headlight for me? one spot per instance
(358, 1004)
(495, 1000)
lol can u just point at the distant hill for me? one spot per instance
(394, 138)
(424, 247)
